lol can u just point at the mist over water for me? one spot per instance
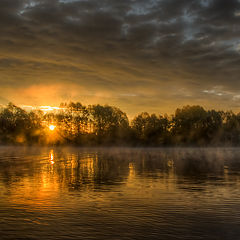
(119, 193)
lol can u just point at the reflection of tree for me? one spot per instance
(198, 164)
(97, 171)
(103, 169)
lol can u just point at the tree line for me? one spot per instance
(97, 125)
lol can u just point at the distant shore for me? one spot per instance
(74, 124)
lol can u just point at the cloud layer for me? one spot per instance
(140, 55)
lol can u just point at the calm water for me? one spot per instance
(71, 193)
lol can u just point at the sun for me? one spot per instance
(52, 127)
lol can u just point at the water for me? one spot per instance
(74, 193)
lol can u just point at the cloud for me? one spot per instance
(147, 48)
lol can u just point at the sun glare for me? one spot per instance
(52, 127)
(51, 156)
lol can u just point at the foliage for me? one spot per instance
(107, 125)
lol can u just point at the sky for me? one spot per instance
(138, 55)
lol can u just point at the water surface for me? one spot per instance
(75, 193)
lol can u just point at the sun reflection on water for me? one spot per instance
(51, 157)
(67, 178)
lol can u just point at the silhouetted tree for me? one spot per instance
(189, 125)
(18, 126)
(110, 123)
(150, 129)
(107, 125)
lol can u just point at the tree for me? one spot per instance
(150, 129)
(16, 125)
(110, 123)
(188, 125)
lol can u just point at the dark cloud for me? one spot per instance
(148, 54)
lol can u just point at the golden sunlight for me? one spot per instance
(51, 156)
(52, 127)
